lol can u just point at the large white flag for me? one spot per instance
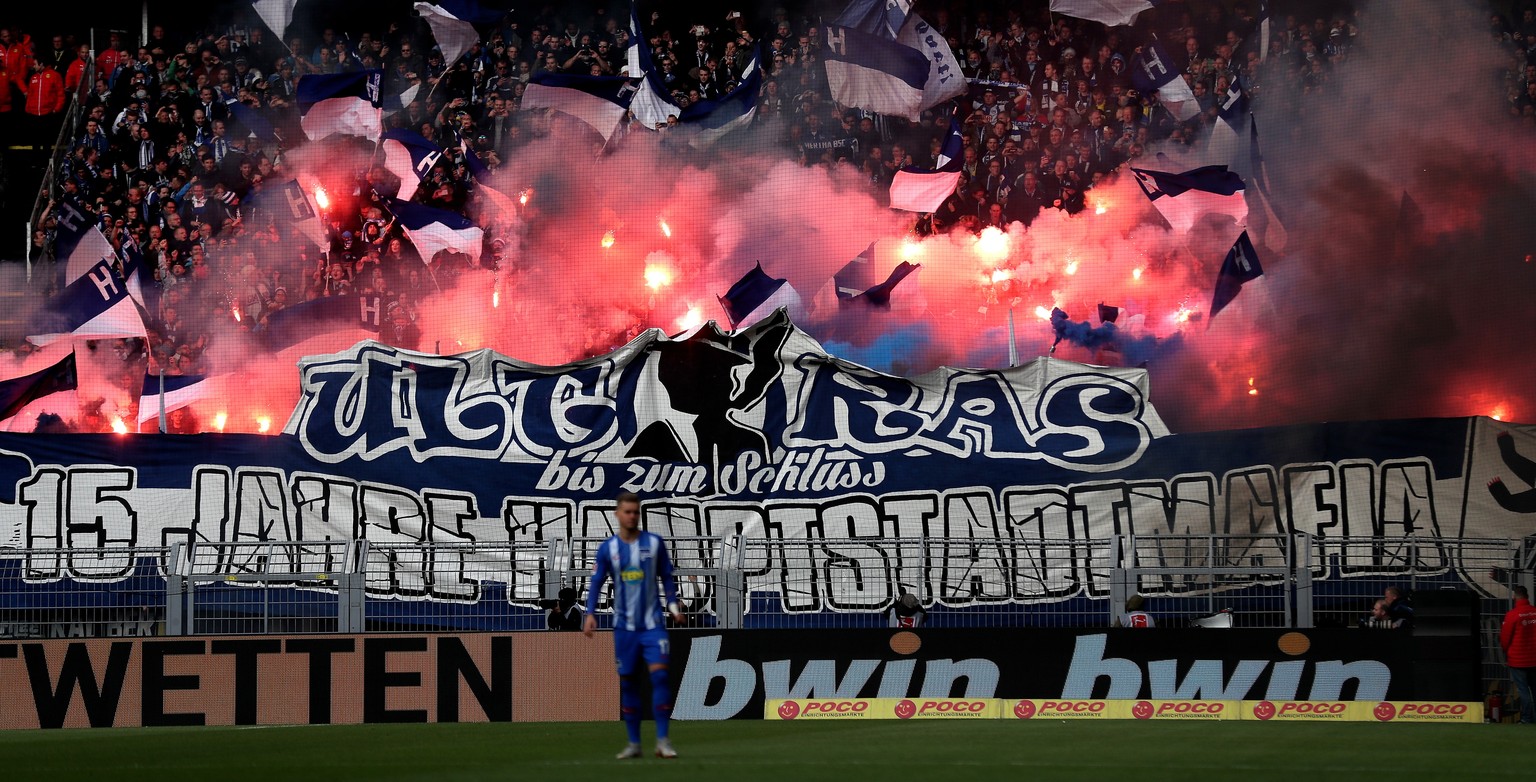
(454, 35)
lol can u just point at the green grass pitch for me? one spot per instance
(779, 751)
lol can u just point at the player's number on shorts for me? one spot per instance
(663, 645)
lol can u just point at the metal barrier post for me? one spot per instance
(557, 563)
(175, 592)
(1119, 553)
(730, 583)
(1301, 570)
(351, 588)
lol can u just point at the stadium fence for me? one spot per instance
(738, 581)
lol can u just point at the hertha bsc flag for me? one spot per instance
(96, 306)
(180, 391)
(712, 119)
(860, 281)
(1240, 266)
(755, 297)
(1109, 12)
(1184, 198)
(17, 393)
(410, 156)
(923, 190)
(599, 101)
(874, 73)
(347, 103)
(435, 230)
(1154, 71)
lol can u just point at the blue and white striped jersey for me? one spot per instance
(635, 569)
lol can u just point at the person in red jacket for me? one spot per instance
(45, 91)
(1518, 637)
(74, 77)
(17, 55)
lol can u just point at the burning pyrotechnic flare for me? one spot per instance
(1251, 390)
(910, 249)
(992, 244)
(1001, 275)
(1136, 274)
(220, 419)
(118, 427)
(263, 424)
(657, 276)
(1183, 315)
(1500, 412)
(1043, 313)
(607, 240)
(522, 198)
(691, 319)
(666, 230)
(496, 297)
(236, 310)
(322, 200)
(1071, 267)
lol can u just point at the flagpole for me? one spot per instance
(162, 400)
(1013, 342)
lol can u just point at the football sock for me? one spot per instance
(629, 707)
(661, 701)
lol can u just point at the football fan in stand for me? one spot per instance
(636, 560)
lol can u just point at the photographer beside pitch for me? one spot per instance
(635, 560)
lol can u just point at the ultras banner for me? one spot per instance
(759, 433)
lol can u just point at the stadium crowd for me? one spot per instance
(158, 157)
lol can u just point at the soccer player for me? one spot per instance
(635, 560)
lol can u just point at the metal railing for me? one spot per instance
(50, 189)
(738, 581)
(226, 588)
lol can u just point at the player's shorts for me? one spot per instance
(630, 646)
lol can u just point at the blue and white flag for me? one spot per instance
(756, 296)
(1263, 32)
(250, 122)
(599, 101)
(95, 306)
(881, 17)
(1234, 104)
(873, 73)
(916, 189)
(945, 80)
(1273, 233)
(289, 204)
(434, 230)
(454, 35)
(298, 322)
(410, 156)
(712, 119)
(82, 245)
(276, 14)
(860, 281)
(1232, 112)
(1184, 198)
(1240, 266)
(347, 103)
(1109, 12)
(17, 393)
(652, 101)
(180, 391)
(1152, 70)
